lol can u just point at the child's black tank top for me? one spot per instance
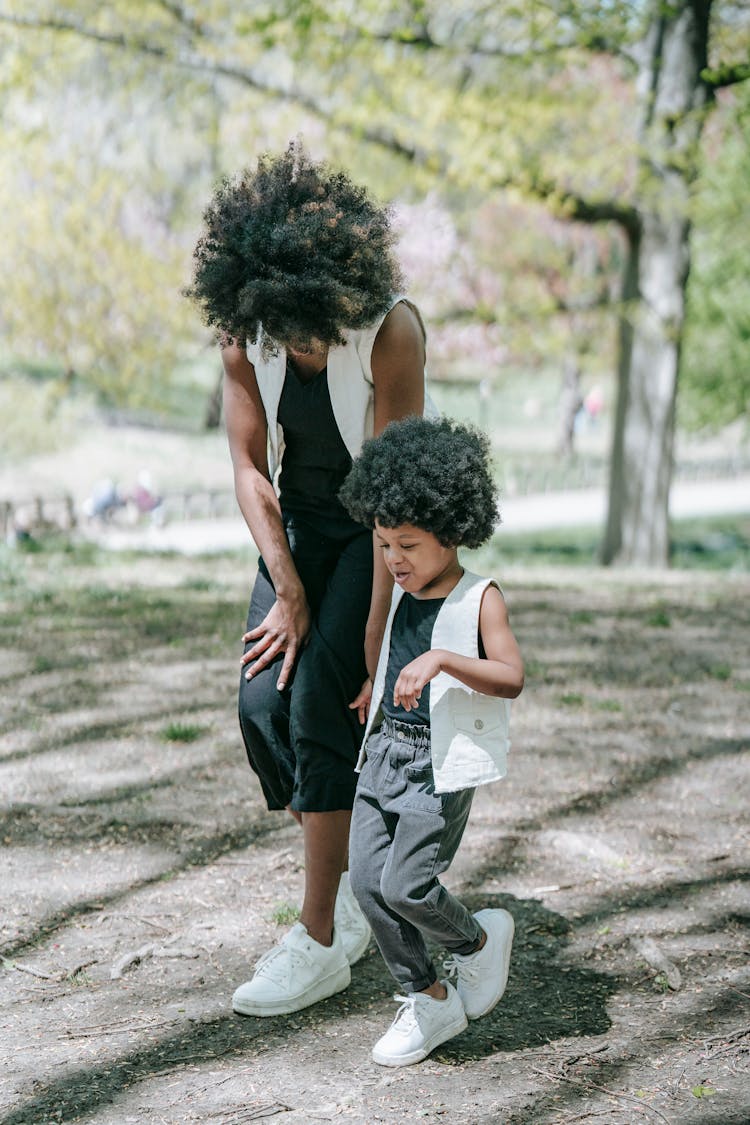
(315, 460)
(411, 635)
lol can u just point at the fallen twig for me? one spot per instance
(253, 1113)
(182, 951)
(650, 952)
(27, 969)
(129, 959)
(151, 949)
(102, 1029)
(603, 1089)
(142, 918)
(79, 968)
(727, 1037)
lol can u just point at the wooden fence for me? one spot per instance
(61, 513)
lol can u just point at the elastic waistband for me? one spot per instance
(411, 733)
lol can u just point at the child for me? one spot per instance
(438, 725)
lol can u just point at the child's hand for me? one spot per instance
(408, 687)
(362, 703)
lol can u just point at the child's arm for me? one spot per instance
(501, 674)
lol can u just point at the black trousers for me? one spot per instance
(303, 742)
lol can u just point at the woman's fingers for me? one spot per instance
(261, 647)
(286, 667)
(265, 658)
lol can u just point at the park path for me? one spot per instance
(533, 512)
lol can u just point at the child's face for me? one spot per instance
(418, 561)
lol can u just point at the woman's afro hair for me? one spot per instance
(293, 250)
(433, 474)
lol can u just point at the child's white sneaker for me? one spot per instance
(294, 974)
(482, 976)
(421, 1025)
(348, 919)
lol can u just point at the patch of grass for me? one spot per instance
(198, 585)
(285, 914)
(720, 671)
(659, 619)
(12, 571)
(182, 732)
(716, 543)
(608, 705)
(572, 699)
(533, 669)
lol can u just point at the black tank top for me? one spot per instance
(315, 460)
(411, 635)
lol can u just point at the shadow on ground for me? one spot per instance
(544, 1001)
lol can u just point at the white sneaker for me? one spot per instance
(350, 922)
(294, 974)
(421, 1025)
(482, 976)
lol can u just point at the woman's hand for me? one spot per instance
(412, 678)
(362, 702)
(285, 628)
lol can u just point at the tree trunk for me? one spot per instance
(674, 102)
(571, 401)
(212, 416)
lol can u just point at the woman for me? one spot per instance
(296, 271)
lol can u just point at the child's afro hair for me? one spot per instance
(293, 250)
(433, 474)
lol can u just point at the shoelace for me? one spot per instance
(467, 973)
(406, 1014)
(297, 956)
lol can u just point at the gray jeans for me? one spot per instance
(403, 836)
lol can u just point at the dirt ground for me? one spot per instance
(142, 875)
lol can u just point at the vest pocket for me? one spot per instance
(477, 715)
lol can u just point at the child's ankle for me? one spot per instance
(436, 991)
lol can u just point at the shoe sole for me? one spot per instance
(328, 986)
(459, 1024)
(507, 942)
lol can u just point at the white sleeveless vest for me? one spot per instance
(469, 731)
(350, 385)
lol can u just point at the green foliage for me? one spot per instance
(719, 543)
(285, 914)
(110, 155)
(182, 732)
(716, 367)
(34, 418)
(572, 699)
(659, 619)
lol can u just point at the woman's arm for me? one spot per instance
(500, 674)
(286, 626)
(398, 360)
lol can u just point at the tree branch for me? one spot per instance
(197, 63)
(178, 13)
(717, 77)
(566, 203)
